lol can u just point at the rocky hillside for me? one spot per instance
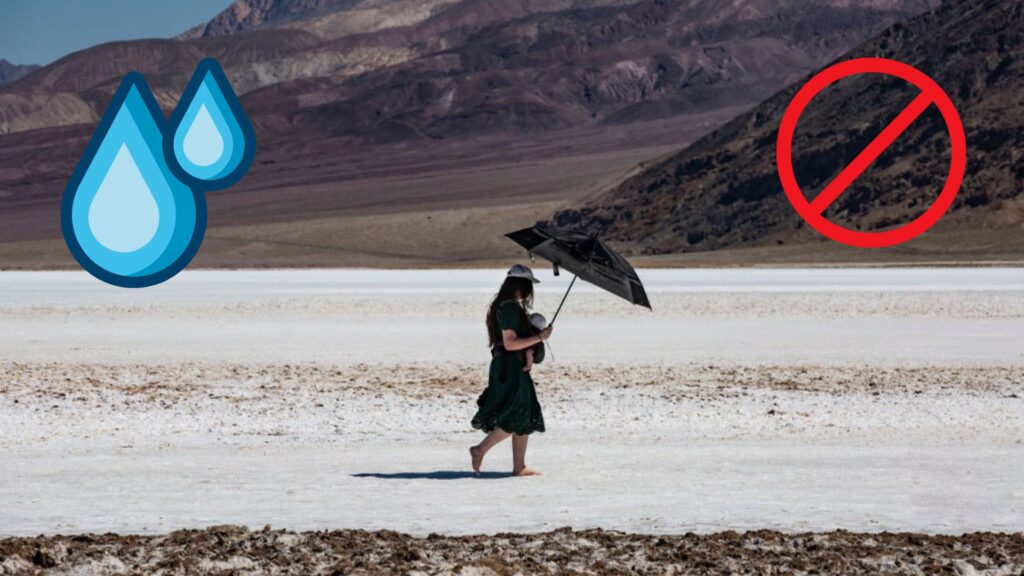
(446, 68)
(10, 72)
(501, 82)
(327, 18)
(615, 64)
(724, 190)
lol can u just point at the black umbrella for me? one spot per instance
(586, 257)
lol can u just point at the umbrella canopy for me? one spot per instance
(586, 257)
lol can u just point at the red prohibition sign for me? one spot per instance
(811, 211)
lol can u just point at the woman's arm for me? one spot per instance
(529, 360)
(512, 342)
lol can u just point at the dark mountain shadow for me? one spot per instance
(436, 475)
(724, 190)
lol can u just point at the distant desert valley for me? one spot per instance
(409, 133)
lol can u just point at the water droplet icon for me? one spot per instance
(124, 191)
(203, 145)
(213, 143)
(127, 218)
(134, 211)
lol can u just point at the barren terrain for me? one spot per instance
(397, 134)
(236, 550)
(792, 400)
(415, 205)
(724, 191)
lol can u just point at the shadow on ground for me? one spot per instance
(438, 475)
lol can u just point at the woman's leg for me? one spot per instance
(477, 452)
(519, 457)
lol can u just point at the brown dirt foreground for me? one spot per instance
(236, 550)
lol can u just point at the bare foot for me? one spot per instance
(478, 459)
(526, 472)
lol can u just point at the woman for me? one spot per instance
(509, 407)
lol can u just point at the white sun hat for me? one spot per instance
(520, 271)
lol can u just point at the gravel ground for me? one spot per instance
(236, 550)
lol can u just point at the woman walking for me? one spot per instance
(509, 406)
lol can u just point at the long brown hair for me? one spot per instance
(509, 290)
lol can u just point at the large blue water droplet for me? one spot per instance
(124, 191)
(213, 141)
(126, 217)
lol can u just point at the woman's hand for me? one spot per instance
(529, 361)
(546, 333)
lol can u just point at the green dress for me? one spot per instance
(510, 404)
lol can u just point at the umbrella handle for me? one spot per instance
(552, 323)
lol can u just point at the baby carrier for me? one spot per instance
(533, 330)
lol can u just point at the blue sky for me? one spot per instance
(41, 31)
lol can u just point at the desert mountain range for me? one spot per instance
(724, 190)
(476, 113)
(10, 72)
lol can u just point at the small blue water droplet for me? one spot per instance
(213, 141)
(203, 144)
(126, 217)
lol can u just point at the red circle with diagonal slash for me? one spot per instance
(811, 211)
